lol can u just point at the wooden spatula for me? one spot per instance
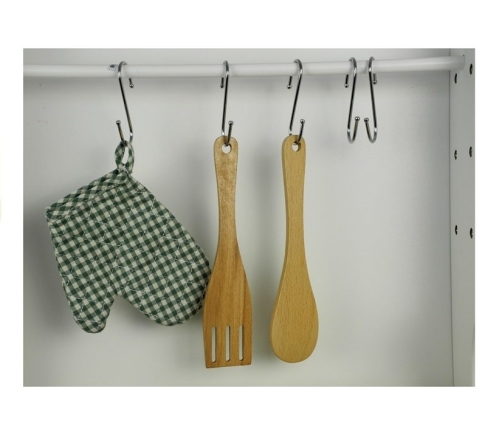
(227, 307)
(294, 326)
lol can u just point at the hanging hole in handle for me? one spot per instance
(455, 154)
(471, 233)
(456, 229)
(471, 68)
(226, 148)
(470, 151)
(456, 77)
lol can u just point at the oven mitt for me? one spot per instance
(112, 237)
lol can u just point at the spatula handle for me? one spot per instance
(226, 174)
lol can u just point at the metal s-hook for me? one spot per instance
(302, 121)
(373, 81)
(224, 84)
(352, 138)
(131, 85)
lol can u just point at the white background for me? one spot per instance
(376, 216)
(98, 25)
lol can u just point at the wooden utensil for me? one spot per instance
(294, 326)
(227, 307)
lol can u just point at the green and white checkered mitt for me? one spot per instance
(112, 237)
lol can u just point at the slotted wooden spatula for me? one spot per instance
(294, 326)
(227, 306)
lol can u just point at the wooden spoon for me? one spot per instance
(227, 306)
(294, 326)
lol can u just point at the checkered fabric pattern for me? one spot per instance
(112, 237)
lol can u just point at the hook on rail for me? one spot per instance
(302, 121)
(373, 81)
(131, 85)
(224, 84)
(352, 138)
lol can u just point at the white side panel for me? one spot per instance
(462, 161)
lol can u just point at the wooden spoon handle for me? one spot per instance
(294, 326)
(293, 167)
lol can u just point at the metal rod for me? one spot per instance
(246, 70)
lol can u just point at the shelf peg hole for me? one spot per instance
(455, 154)
(470, 152)
(471, 233)
(456, 229)
(456, 77)
(471, 68)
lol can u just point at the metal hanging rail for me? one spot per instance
(244, 70)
